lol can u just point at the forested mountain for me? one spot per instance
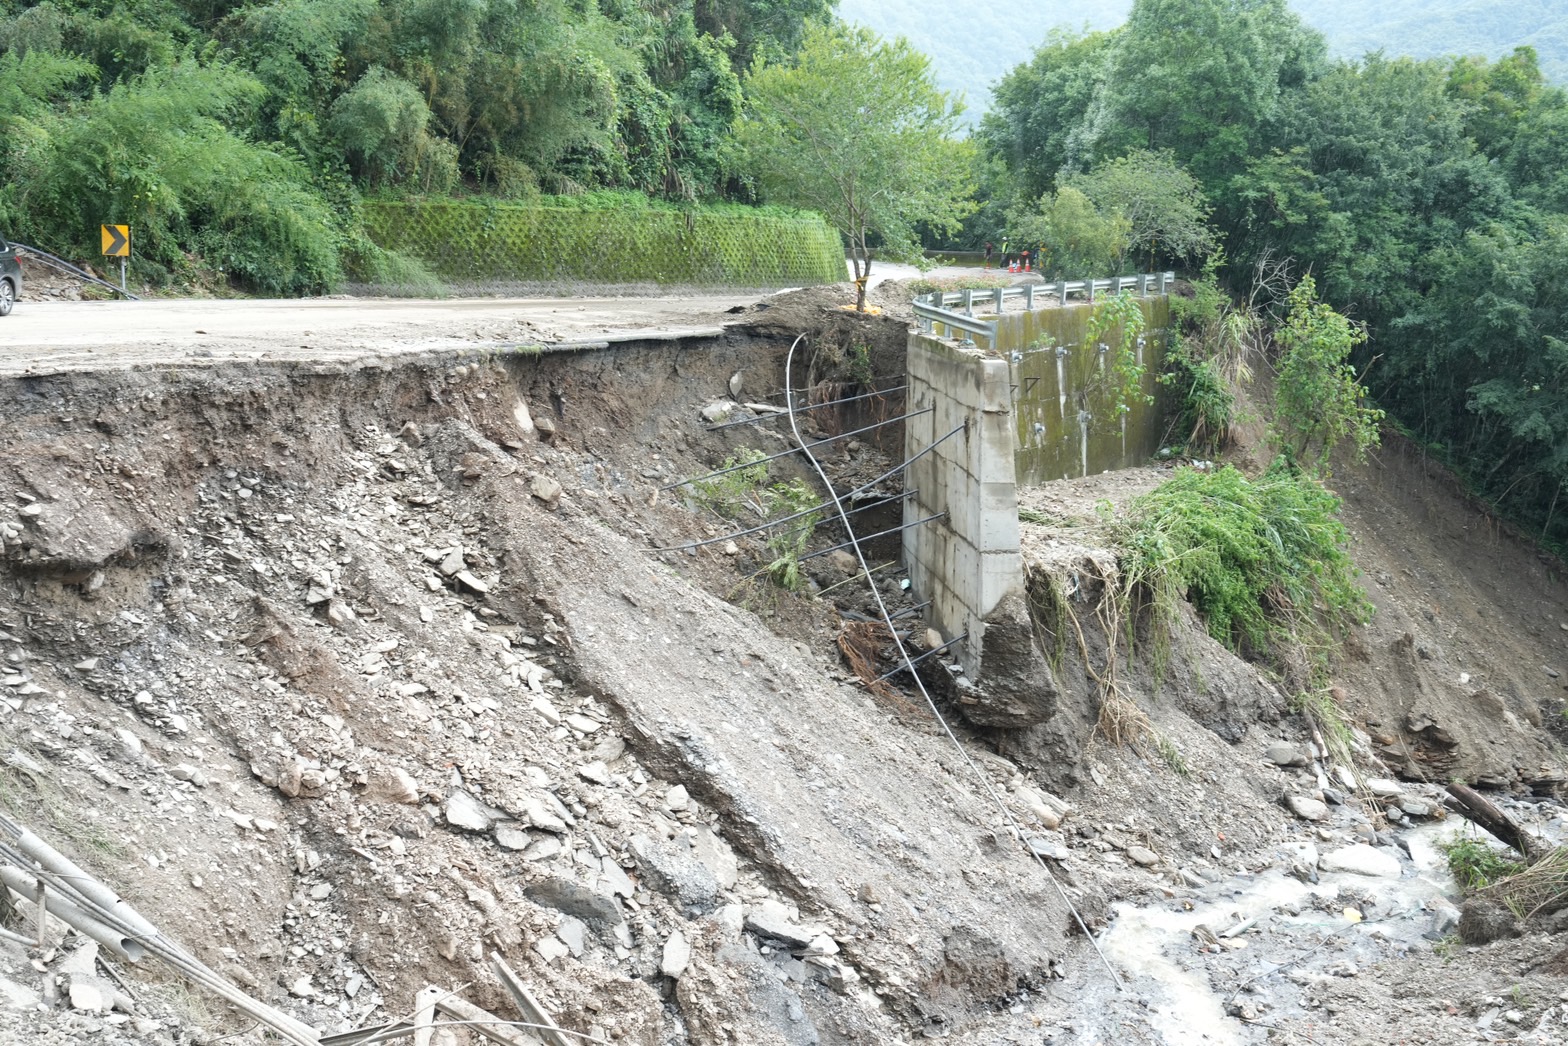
(1428, 199)
(971, 47)
(242, 131)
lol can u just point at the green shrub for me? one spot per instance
(156, 153)
(1476, 864)
(1263, 562)
(745, 495)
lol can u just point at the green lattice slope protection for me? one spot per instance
(490, 241)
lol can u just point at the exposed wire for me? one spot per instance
(793, 450)
(782, 519)
(870, 537)
(903, 653)
(815, 406)
(909, 666)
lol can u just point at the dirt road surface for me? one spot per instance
(47, 337)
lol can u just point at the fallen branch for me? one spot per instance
(1484, 814)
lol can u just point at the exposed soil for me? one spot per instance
(350, 674)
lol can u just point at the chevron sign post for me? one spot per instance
(117, 244)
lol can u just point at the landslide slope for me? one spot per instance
(349, 676)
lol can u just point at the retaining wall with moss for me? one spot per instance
(498, 242)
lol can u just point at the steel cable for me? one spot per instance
(903, 653)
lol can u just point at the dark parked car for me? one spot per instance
(10, 277)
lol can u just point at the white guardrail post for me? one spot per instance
(939, 308)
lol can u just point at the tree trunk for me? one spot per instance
(1485, 814)
(862, 273)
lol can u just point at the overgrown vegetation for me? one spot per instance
(236, 138)
(743, 494)
(856, 129)
(1426, 198)
(1477, 864)
(1120, 317)
(1263, 562)
(1319, 403)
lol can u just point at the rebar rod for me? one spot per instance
(796, 450)
(909, 664)
(782, 519)
(871, 537)
(815, 406)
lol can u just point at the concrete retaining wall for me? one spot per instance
(969, 562)
(1032, 416)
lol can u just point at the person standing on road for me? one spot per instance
(989, 247)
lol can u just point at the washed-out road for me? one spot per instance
(48, 337)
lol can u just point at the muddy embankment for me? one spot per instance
(349, 676)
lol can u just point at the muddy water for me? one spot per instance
(1283, 932)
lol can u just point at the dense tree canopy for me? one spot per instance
(329, 98)
(1427, 198)
(855, 128)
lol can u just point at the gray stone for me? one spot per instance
(1382, 787)
(1361, 859)
(1284, 755)
(452, 562)
(676, 957)
(595, 772)
(511, 837)
(715, 856)
(544, 848)
(88, 996)
(583, 724)
(1047, 844)
(464, 811)
(545, 488)
(469, 581)
(1414, 806)
(616, 878)
(674, 870)
(1018, 689)
(570, 897)
(319, 590)
(551, 948)
(677, 798)
(1307, 809)
(772, 920)
(718, 411)
(1143, 856)
(574, 934)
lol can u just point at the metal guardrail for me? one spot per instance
(941, 308)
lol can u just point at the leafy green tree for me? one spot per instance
(1318, 401)
(1075, 237)
(855, 129)
(381, 123)
(156, 152)
(1165, 209)
(1203, 78)
(1038, 118)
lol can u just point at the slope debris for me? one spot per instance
(351, 675)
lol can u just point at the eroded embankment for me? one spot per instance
(349, 676)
